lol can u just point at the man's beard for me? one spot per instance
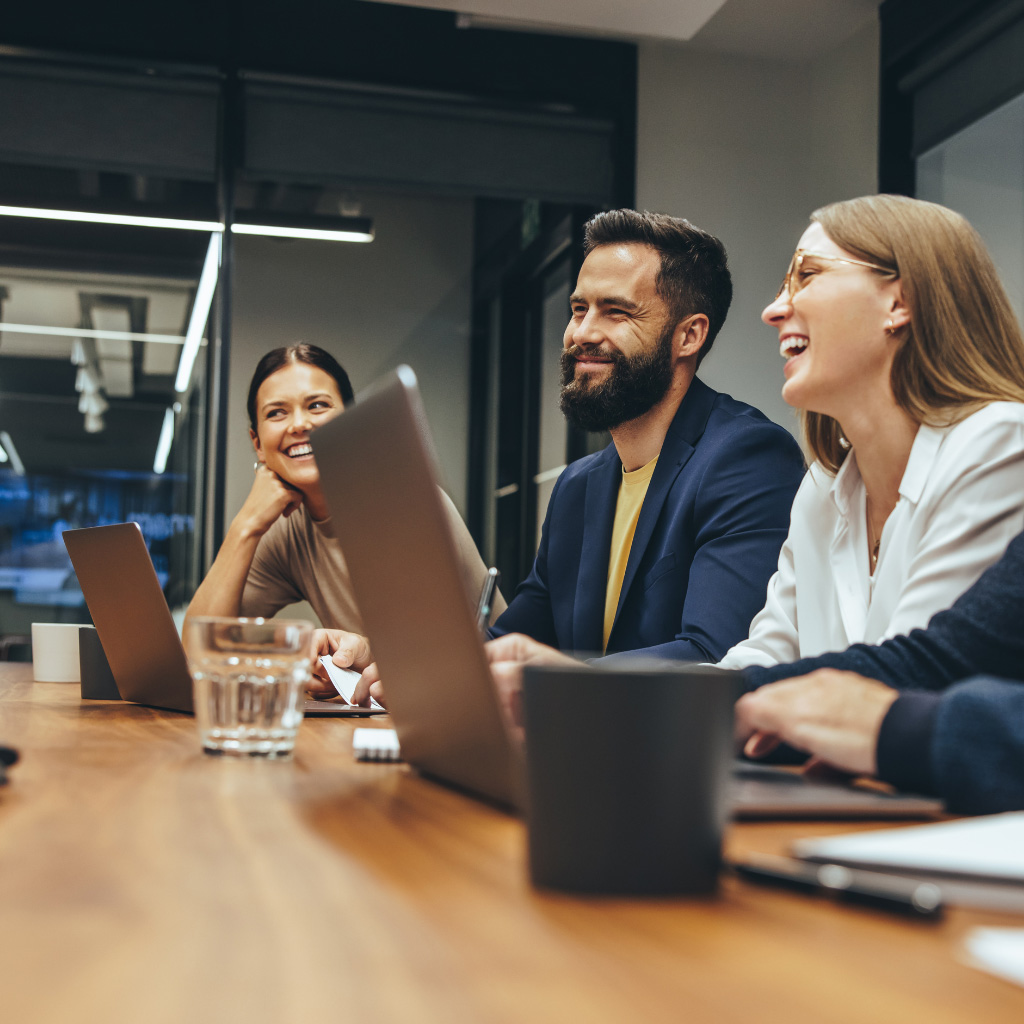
(632, 387)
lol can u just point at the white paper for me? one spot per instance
(1000, 951)
(990, 847)
(344, 680)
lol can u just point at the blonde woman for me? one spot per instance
(907, 363)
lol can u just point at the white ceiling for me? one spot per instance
(669, 19)
(782, 29)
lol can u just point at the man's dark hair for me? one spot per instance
(313, 355)
(694, 275)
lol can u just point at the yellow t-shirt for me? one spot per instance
(632, 492)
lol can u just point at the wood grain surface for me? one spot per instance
(143, 881)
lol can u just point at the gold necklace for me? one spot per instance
(873, 545)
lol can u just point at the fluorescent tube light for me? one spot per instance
(125, 220)
(297, 225)
(11, 452)
(200, 314)
(163, 446)
(317, 234)
(3, 455)
(88, 332)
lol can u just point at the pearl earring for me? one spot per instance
(890, 328)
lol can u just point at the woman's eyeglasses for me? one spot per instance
(797, 275)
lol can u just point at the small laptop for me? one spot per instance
(377, 473)
(134, 624)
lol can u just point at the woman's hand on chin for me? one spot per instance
(269, 498)
(348, 650)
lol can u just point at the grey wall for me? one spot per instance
(747, 148)
(403, 298)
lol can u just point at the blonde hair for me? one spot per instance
(963, 346)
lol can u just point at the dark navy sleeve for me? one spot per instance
(741, 520)
(982, 633)
(903, 754)
(965, 745)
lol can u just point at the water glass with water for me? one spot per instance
(248, 676)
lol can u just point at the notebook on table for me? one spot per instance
(976, 862)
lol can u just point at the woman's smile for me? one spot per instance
(291, 403)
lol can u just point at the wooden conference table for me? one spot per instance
(141, 881)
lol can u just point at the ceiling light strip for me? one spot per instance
(200, 314)
(184, 224)
(12, 453)
(317, 234)
(124, 220)
(84, 332)
(163, 446)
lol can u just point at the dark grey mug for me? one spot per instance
(628, 774)
(97, 679)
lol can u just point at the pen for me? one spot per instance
(894, 893)
(486, 602)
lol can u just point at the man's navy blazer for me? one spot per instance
(707, 540)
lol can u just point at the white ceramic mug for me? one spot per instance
(55, 652)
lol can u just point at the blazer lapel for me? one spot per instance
(680, 441)
(592, 581)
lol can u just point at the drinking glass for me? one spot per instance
(248, 677)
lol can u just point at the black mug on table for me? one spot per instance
(628, 775)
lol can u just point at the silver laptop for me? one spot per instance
(134, 624)
(377, 474)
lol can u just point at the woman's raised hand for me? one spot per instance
(269, 498)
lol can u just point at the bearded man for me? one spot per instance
(664, 542)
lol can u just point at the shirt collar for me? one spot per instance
(922, 457)
(923, 453)
(845, 484)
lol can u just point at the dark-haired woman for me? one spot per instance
(280, 548)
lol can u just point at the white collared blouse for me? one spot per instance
(961, 501)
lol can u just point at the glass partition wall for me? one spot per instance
(102, 405)
(979, 172)
(952, 117)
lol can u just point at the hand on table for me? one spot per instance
(348, 650)
(834, 716)
(507, 655)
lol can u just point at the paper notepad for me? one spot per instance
(989, 848)
(376, 745)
